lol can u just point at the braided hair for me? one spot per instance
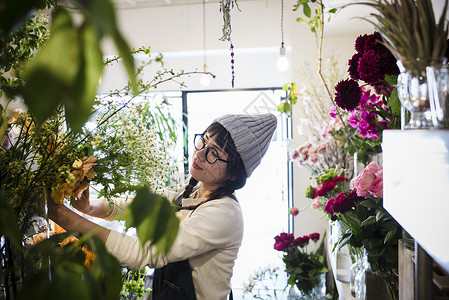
(235, 168)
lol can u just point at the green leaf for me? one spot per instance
(369, 203)
(284, 107)
(47, 83)
(394, 102)
(306, 10)
(371, 220)
(391, 79)
(154, 218)
(79, 107)
(102, 13)
(8, 222)
(105, 270)
(390, 235)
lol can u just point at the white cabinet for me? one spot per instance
(416, 187)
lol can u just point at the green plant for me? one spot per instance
(66, 68)
(411, 31)
(133, 287)
(303, 267)
(48, 147)
(368, 224)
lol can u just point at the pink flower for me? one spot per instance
(377, 187)
(369, 180)
(295, 154)
(314, 158)
(316, 204)
(294, 211)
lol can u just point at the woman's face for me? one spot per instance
(210, 175)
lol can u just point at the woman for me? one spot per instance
(199, 265)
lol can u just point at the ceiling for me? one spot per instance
(123, 4)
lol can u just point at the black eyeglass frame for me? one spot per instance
(217, 157)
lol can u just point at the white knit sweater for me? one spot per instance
(209, 237)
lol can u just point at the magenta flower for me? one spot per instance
(347, 94)
(333, 113)
(280, 246)
(302, 241)
(360, 43)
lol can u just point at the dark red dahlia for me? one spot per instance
(360, 43)
(387, 61)
(353, 66)
(369, 67)
(383, 88)
(373, 42)
(347, 94)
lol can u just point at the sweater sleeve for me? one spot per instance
(215, 224)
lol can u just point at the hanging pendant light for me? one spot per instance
(282, 62)
(205, 79)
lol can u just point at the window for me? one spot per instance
(265, 197)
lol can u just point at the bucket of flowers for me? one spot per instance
(306, 269)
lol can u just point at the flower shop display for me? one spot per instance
(416, 43)
(48, 149)
(50, 157)
(368, 225)
(369, 95)
(306, 269)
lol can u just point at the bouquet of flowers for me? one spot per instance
(369, 95)
(302, 267)
(330, 182)
(367, 224)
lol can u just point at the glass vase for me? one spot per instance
(438, 84)
(413, 92)
(378, 285)
(309, 288)
(39, 226)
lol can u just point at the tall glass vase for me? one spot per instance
(438, 82)
(309, 289)
(413, 91)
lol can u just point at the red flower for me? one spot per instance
(360, 43)
(348, 93)
(314, 236)
(280, 246)
(329, 186)
(353, 66)
(369, 67)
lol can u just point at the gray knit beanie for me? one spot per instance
(251, 135)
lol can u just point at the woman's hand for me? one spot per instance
(81, 198)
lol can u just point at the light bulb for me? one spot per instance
(282, 63)
(205, 80)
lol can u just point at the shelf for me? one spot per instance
(416, 186)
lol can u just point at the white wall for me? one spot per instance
(177, 32)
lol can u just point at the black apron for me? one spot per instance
(174, 281)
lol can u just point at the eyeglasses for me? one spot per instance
(211, 153)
